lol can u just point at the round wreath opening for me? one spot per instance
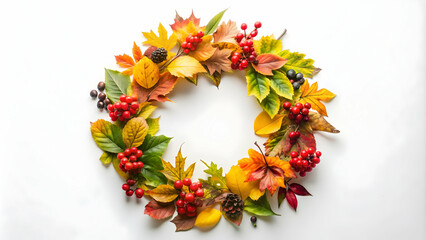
(293, 110)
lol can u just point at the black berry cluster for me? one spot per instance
(123, 109)
(186, 203)
(233, 206)
(299, 112)
(192, 41)
(129, 191)
(159, 55)
(248, 54)
(103, 101)
(307, 160)
(295, 78)
(130, 160)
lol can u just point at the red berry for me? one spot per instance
(193, 186)
(131, 182)
(302, 174)
(299, 117)
(125, 187)
(253, 33)
(291, 81)
(133, 111)
(200, 34)
(191, 214)
(318, 153)
(313, 165)
(189, 197)
(294, 154)
(246, 49)
(122, 119)
(305, 111)
(192, 48)
(191, 208)
(307, 105)
(244, 63)
(234, 66)
(311, 150)
(235, 59)
(180, 203)
(305, 163)
(129, 100)
(123, 98)
(139, 193)
(186, 181)
(120, 156)
(139, 153)
(128, 166)
(124, 160)
(316, 160)
(127, 152)
(117, 105)
(295, 110)
(200, 185)
(140, 165)
(110, 107)
(297, 134)
(257, 24)
(249, 43)
(133, 150)
(126, 114)
(199, 193)
(292, 135)
(299, 163)
(251, 58)
(240, 67)
(293, 141)
(135, 165)
(124, 106)
(304, 154)
(186, 51)
(178, 184)
(239, 36)
(287, 105)
(306, 118)
(129, 192)
(134, 105)
(243, 26)
(183, 45)
(111, 115)
(188, 38)
(299, 105)
(132, 158)
(181, 210)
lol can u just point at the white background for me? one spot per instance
(370, 184)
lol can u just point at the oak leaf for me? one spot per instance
(235, 180)
(204, 49)
(185, 66)
(269, 170)
(268, 62)
(159, 210)
(158, 92)
(219, 61)
(264, 124)
(146, 73)
(314, 96)
(163, 193)
(162, 40)
(178, 172)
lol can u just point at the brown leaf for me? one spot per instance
(226, 32)
(299, 189)
(159, 211)
(137, 53)
(291, 199)
(219, 61)
(318, 123)
(183, 223)
(149, 51)
(124, 61)
(268, 62)
(158, 92)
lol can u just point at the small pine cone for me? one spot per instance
(233, 206)
(159, 55)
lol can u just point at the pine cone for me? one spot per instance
(159, 55)
(233, 206)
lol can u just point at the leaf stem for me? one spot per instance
(264, 158)
(178, 54)
(282, 34)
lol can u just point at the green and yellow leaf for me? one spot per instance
(257, 84)
(267, 44)
(178, 172)
(153, 124)
(134, 132)
(298, 63)
(107, 136)
(163, 193)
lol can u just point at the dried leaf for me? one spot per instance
(226, 32)
(185, 66)
(158, 210)
(219, 61)
(299, 189)
(163, 193)
(158, 92)
(183, 223)
(149, 51)
(178, 172)
(226, 45)
(137, 53)
(318, 123)
(146, 73)
(264, 124)
(208, 218)
(268, 62)
(204, 49)
(291, 199)
(314, 96)
(134, 132)
(124, 61)
(235, 180)
(161, 40)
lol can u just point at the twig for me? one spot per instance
(282, 34)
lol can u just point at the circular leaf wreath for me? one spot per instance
(274, 76)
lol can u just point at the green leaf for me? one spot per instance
(298, 63)
(216, 179)
(134, 132)
(260, 207)
(257, 84)
(116, 84)
(271, 104)
(106, 157)
(153, 149)
(213, 23)
(107, 136)
(153, 124)
(152, 176)
(281, 85)
(267, 44)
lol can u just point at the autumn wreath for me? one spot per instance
(276, 77)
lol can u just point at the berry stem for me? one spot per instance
(264, 158)
(282, 34)
(179, 53)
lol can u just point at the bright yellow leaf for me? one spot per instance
(163, 193)
(314, 96)
(208, 218)
(146, 73)
(264, 125)
(161, 40)
(185, 66)
(204, 49)
(235, 180)
(177, 172)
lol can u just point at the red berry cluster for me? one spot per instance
(307, 160)
(192, 41)
(124, 108)
(299, 112)
(129, 192)
(241, 60)
(186, 203)
(294, 135)
(129, 160)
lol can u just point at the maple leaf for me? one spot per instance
(269, 170)
(219, 61)
(314, 96)
(178, 172)
(158, 92)
(226, 32)
(185, 66)
(268, 62)
(159, 210)
(161, 40)
(124, 61)
(216, 178)
(204, 49)
(184, 27)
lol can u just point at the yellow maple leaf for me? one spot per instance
(314, 96)
(235, 180)
(178, 172)
(264, 124)
(161, 40)
(204, 50)
(146, 73)
(185, 66)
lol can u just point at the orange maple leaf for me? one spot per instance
(269, 170)
(184, 27)
(313, 96)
